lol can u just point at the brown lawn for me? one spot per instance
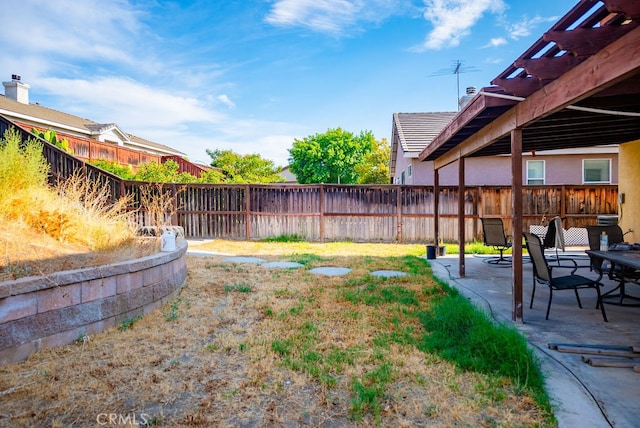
(245, 346)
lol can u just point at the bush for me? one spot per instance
(21, 166)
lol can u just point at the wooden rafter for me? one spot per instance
(630, 8)
(588, 41)
(519, 86)
(549, 68)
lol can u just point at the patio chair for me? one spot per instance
(543, 273)
(554, 239)
(615, 273)
(494, 236)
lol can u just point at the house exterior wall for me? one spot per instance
(496, 170)
(630, 186)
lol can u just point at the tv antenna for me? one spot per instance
(456, 68)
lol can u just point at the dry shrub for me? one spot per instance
(76, 211)
(158, 202)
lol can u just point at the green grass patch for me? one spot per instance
(241, 287)
(128, 323)
(460, 333)
(285, 238)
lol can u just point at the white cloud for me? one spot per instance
(495, 42)
(526, 25)
(178, 121)
(452, 20)
(224, 99)
(332, 16)
(70, 29)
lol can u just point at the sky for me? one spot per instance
(254, 76)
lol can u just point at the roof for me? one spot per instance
(412, 132)
(416, 130)
(576, 86)
(50, 117)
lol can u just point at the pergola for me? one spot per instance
(577, 86)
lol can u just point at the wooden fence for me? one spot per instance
(327, 212)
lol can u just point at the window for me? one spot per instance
(596, 171)
(402, 180)
(409, 171)
(535, 172)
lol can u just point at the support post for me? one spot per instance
(436, 208)
(516, 228)
(461, 237)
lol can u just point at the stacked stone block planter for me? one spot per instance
(42, 312)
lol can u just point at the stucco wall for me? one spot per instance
(629, 211)
(42, 312)
(496, 170)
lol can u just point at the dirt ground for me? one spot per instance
(246, 346)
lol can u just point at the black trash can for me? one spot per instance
(431, 252)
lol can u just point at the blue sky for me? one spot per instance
(253, 76)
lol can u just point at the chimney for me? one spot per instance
(471, 91)
(16, 90)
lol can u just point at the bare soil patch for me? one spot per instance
(245, 346)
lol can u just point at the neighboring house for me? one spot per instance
(289, 176)
(413, 132)
(89, 140)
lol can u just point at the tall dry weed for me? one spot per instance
(76, 211)
(158, 202)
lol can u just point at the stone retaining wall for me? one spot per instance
(42, 312)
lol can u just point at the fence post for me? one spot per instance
(321, 222)
(399, 195)
(563, 205)
(174, 214)
(247, 204)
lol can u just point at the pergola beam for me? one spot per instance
(613, 64)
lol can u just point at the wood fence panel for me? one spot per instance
(382, 213)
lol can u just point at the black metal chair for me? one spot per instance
(543, 274)
(554, 239)
(494, 236)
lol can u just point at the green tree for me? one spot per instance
(330, 157)
(211, 177)
(122, 171)
(374, 168)
(251, 169)
(50, 136)
(163, 173)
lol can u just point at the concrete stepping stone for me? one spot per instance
(282, 265)
(242, 259)
(388, 273)
(330, 271)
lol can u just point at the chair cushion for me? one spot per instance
(572, 281)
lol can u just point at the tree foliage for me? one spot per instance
(374, 168)
(337, 156)
(158, 173)
(50, 136)
(248, 169)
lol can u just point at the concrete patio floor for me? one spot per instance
(582, 395)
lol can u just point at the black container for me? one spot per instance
(431, 252)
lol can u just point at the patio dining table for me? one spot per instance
(627, 262)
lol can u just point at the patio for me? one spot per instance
(583, 395)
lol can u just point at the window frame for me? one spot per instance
(544, 173)
(583, 172)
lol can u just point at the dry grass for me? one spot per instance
(243, 345)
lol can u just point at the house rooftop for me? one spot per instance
(56, 119)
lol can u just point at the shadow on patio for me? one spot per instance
(583, 395)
